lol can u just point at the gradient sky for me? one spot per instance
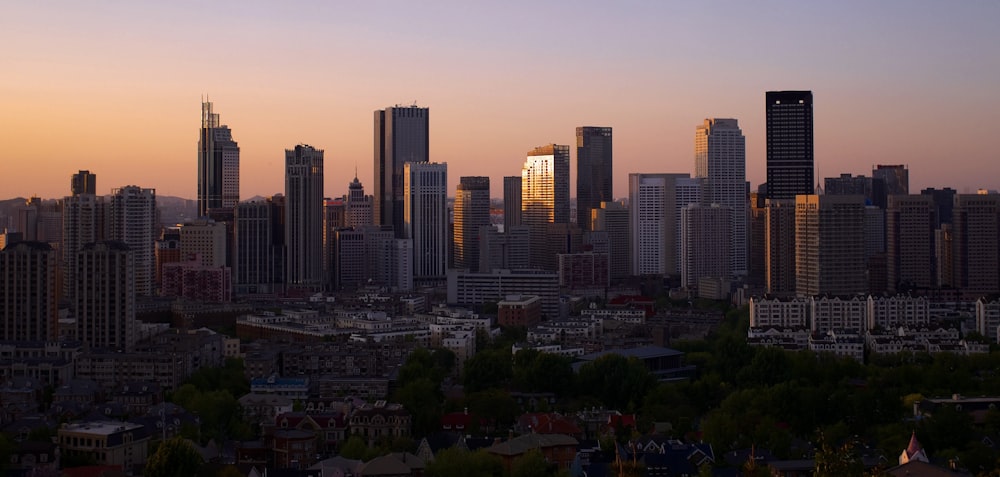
(115, 86)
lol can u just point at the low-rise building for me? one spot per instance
(106, 442)
(519, 310)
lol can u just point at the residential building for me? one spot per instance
(304, 217)
(976, 244)
(779, 247)
(259, 243)
(705, 244)
(510, 249)
(105, 296)
(134, 221)
(28, 292)
(720, 158)
(910, 224)
(829, 245)
(654, 213)
(613, 218)
(116, 443)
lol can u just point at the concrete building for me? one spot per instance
(85, 220)
(910, 224)
(779, 313)
(779, 248)
(654, 213)
(519, 310)
(425, 215)
(510, 249)
(304, 217)
(207, 239)
(114, 443)
(829, 245)
(720, 158)
(594, 168)
(259, 243)
(359, 211)
(511, 201)
(83, 182)
(613, 219)
(105, 296)
(705, 243)
(196, 281)
(976, 244)
(584, 271)
(472, 211)
(28, 292)
(465, 288)
(134, 221)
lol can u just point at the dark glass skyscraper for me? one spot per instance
(789, 144)
(218, 164)
(401, 136)
(472, 211)
(593, 171)
(83, 182)
(304, 217)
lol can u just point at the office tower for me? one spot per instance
(975, 237)
(105, 296)
(612, 218)
(358, 208)
(401, 136)
(872, 188)
(756, 252)
(510, 249)
(218, 164)
(304, 217)
(704, 248)
(654, 212)
(134, 222)
(472, 211)
(207, 239)
(593, 171)
(789, 117)
(334, 218)
(895, 177)
(910, 242)
(555, 239)
(426, 217)
(28, 297)
(511, 201)
(779, 247)
(83, 182)
(829, 245)
(259, 242)
(720, 158)
(545, 186)
(84, 219)
(944, 202)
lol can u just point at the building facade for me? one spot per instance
(401, 136)
(28, 294)
(105, 296)
(720, 158)
(426, 218)
(789, 118)
(304, 217)
(218, 164)
(134, 221)
(593, 171)
(472, 211)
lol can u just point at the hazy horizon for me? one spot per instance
(115, 87)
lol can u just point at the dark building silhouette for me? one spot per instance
(789, 144)
(593, 171)
(218, 164)
(401, 136)
(83, 182)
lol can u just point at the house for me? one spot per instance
(557, 448)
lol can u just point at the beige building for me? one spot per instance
(829, 245)
(106, 442)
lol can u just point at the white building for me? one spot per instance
(425, 216)
(988, 319)
(773, 312)
(133, 221)
(655, 201)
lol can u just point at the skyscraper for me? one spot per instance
(84, 221)
(779, 246)
(28, 298)
(218, 164)
(472, 211)
(105, 296)
(258, 264)
(655, 201)
(720, 158)
(896, 178)
(593, 171)
(426, 218)
(511, 201)
(829, 245)
(401, 136)
(612, 218)
(703, 255)
(789, 144)
(545, 186)
(359, 206)
(910, 225)
(83, 182)
(134, 222)
(304, 217)
(976, 242)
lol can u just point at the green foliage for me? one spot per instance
(495, 406)
(532, 464)
(836, 461)
(539, 372)
(620, 383)
(422, 398)
(174, 458)
(219, 411)
(454, 462)
(488, 369)
(354, 448)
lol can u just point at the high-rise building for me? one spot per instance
(511, 201)
(304, 217)
(167, 251)
(134, 221)
(829, 245)
(334, 218)
(207, 239)
(545, 186)
(472, 211)
(789, 144)
(873, 188)
(84, 221)
(259, 242)
(976, 242)
(704, 250)
(593, 171)
(28, 292)
(358, 206)
(218, 164)
(944, 202)
(895, 177)
(720, 158)
(779, 247)
(105, 296)
(755, 256)
(401, 136)
(83, 182)
(612, 218)
(910, 225)
(426, 218)
(654, 217)
(510, 249)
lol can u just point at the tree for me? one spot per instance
(455, 462)
(354, 448)
(532, 464)
(488, 369)
(620, 383)
(175, 457)
(422, 398)
(836, 461)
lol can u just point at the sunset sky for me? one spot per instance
(115, 86)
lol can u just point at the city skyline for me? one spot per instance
(122, 102)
